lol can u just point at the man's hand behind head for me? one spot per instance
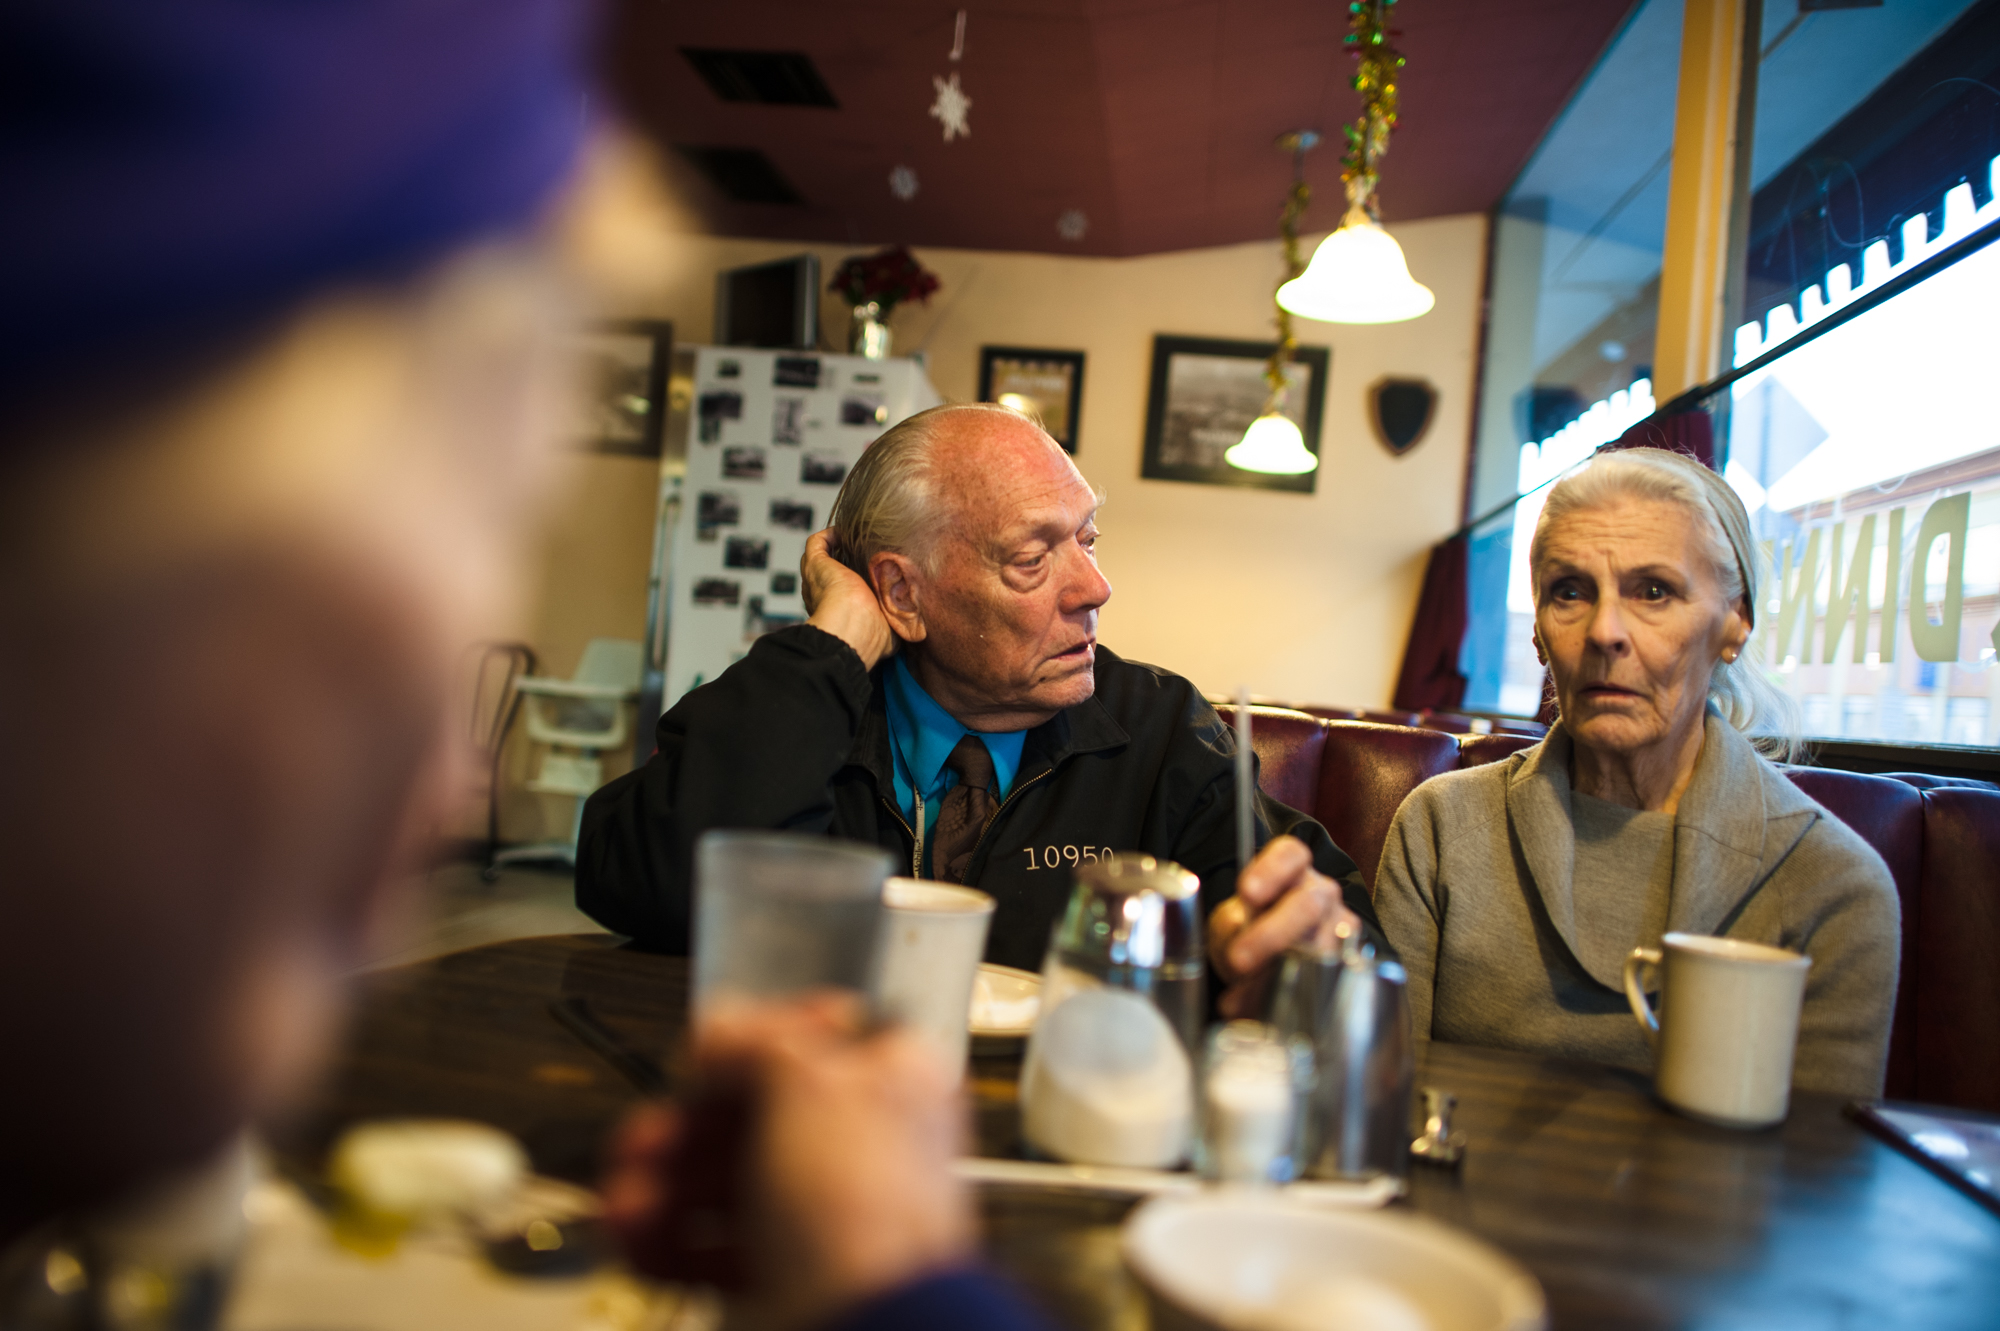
(841, 602)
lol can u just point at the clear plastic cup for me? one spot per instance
(780, 913)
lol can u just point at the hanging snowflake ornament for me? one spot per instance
(1072, 224)
(903, 183)
(950, 107)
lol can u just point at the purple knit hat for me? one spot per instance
(177, 173)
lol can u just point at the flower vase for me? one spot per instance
(868, 335)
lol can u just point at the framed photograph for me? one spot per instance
(624, 387)
(1047, 385)
(1206, 391)
(743, 462)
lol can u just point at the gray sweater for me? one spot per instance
(1477, 892)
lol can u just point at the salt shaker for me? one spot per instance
(1247, 1106)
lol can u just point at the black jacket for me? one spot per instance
(796, 735)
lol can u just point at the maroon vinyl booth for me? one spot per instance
(1940, 837)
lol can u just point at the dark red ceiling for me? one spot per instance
(1154, 118)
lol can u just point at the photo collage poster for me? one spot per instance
(770, 438)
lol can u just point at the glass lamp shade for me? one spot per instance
(1358, 276)
(1272, 444)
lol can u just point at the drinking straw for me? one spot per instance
(1246, 838)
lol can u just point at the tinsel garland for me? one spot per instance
(1288, 229)
(1375, 79)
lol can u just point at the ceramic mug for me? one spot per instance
(1727, 1025)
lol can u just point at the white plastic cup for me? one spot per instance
(1727, 1027)
(933, 936)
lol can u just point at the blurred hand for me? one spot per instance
(839, 1185)
(1280, 900)
(841, 602)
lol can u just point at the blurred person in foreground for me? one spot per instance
(949, 701)
(848, 1203)
(281, 292)
(1513, 891)
(282, 298)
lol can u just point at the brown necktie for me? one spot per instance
(965, 809)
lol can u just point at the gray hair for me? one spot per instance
(891, 500)
(1740, 691)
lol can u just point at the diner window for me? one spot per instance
(1573, 294)
(1875, 447)
(1869, 459)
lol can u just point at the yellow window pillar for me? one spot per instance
(1706, 191)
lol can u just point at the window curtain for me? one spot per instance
(1691, 432)
(1430, 677)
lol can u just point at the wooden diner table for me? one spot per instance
(1629, 1215)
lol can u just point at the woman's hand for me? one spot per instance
(1280, 900)
(842, 603)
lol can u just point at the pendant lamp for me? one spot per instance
(1359, 275)
(1273, 444)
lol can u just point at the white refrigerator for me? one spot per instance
(768, 438)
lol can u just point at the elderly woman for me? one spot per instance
(1514, 891)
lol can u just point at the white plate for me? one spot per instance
(1004, 1001)
(1246, 1262)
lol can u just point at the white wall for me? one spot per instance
(1302, 597)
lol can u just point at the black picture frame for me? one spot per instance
(1016, 370)
(1220, 405)
(624, 368)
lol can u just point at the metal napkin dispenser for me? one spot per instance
(1357, 1124)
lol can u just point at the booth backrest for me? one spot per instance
(1956, 980)
(1478, 750)
(1356, 775)
(1329, 713)
(1288, 746)
(1940, 837)
(1366, 771)
(1889, 815)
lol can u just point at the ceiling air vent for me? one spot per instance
(772, 78)
(742, 174)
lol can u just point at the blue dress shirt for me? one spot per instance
(924, 734)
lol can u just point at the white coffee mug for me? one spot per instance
(1728, 1023)
(933, 936)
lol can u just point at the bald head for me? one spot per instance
(924, 476)
(978, 535)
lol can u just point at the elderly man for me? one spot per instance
(948, 700)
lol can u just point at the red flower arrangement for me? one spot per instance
(888, 279)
